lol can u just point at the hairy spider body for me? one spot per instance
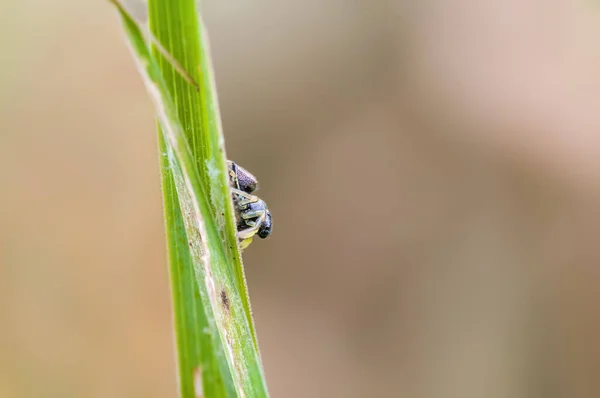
(252, 214)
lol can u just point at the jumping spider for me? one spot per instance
(251, 212)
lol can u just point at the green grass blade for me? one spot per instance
(214, 330)
(170, 21)
(196, 354)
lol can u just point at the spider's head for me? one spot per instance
(265, 228)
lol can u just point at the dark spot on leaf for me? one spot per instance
(224, 300)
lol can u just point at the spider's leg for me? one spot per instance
(250, 213)
(252, 229)
(246, 197)
(245, 243)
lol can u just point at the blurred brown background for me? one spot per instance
(432, 168)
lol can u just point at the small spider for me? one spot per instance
(252, 215)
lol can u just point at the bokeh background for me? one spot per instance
(433, 170)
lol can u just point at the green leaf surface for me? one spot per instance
(217, 348)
